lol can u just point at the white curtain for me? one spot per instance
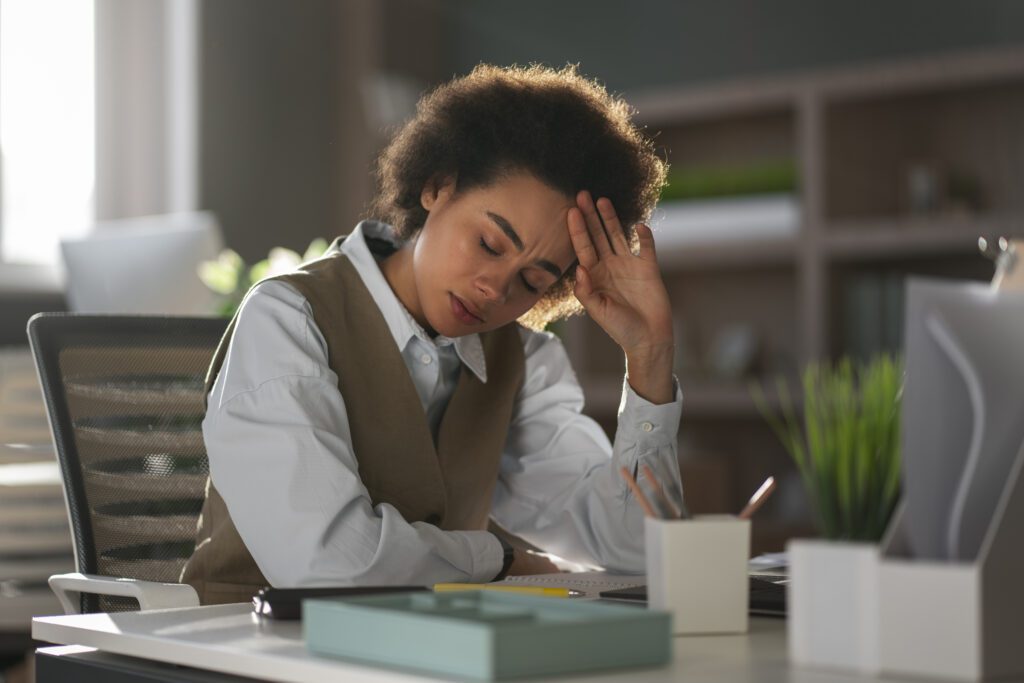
(146, 107)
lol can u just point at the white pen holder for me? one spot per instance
(697, 570)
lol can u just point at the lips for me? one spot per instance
(464, 313)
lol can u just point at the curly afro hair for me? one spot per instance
(555, 124)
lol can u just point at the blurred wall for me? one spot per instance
(648, 43)
(270, 104)
(287, 128)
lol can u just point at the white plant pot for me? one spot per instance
(833, 605)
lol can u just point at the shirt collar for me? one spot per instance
(403, 326)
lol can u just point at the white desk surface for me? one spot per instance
(231, 639)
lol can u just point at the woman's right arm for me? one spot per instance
(280, 449)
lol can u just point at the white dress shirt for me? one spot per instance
(281, 454)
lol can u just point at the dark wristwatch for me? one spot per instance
(510, 555)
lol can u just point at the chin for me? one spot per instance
(446, 328)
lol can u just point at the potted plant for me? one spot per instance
(846, 449)
(229, 276)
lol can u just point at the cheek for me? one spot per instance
(517, 307)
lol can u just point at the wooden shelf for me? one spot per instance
(915, 236)
(730, 254)
(701, 398)
(854, 135)
(661, 106)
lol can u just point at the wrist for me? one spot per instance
(508, 557)
(649, 373)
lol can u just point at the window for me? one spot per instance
(47, 131)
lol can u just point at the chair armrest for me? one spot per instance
(150, 594)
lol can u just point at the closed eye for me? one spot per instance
(487, 247)
(493, 252)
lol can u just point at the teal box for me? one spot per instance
(486, 635)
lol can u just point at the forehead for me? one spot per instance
(537, 212)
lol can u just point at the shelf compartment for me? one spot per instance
(896, 238)
(701, 398)
(952, 147)
(866, 308)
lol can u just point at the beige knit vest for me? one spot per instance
(450, 485)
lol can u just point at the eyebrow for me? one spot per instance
(510, 232)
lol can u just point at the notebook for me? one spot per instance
(767, 591)
(767, 596)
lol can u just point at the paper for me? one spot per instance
(590, 583)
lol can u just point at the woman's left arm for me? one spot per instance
(559, 485)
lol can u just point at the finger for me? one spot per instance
(581, 242)
(584, 289)
(612, 226)
(645, 236)
(594, 225)
(587, 294)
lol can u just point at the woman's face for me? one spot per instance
(485, 256)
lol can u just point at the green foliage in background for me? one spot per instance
(229, 276)
(730, 181)
(847, 447)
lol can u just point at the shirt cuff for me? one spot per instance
(488, 556)
(641, 421)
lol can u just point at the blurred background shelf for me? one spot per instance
(915, 236)
(797, 206)
(702, 399)
(35, 538)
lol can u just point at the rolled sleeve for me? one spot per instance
(645, 424)
(559, 486)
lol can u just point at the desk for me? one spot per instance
(229, 639)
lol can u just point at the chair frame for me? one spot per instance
(43, 328)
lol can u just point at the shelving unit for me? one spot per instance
(900, 166)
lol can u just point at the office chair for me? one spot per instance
(124, 396)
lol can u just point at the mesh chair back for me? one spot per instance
(125, 401)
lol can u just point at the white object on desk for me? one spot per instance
(951, 619)
(697, 569)
(832, 604)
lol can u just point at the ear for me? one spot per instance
(437, 189)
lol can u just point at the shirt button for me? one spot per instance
(426, 359)
(647, 426)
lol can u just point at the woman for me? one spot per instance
(371, 412)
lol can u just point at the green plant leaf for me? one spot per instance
(846, 447)
(221, 274)
(259, 271)
(315, 249)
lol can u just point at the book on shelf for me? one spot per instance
(873, 314)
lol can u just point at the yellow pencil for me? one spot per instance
(523, 590)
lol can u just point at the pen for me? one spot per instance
(523, 590)
(660, 492)
(758, 499)
(638, 494)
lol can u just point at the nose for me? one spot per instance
(493, 285)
